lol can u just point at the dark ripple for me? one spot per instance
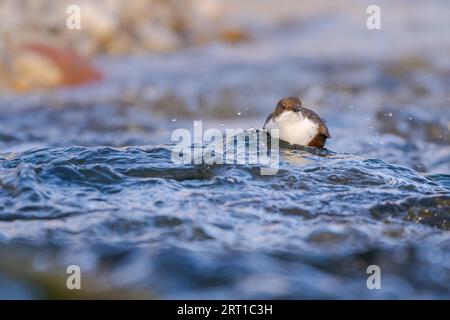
(322, 182)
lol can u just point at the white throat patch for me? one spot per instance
(294, 128)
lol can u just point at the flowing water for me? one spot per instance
(225, 230)
(87, 178)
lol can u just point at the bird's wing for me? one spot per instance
(269, 117)
(323, 129)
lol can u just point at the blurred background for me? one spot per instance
(216, 60)
(138, 69)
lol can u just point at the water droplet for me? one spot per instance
(239, 113)
(410, 118)
(390, 114)
(174, 120)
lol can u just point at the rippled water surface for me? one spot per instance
(310, 229)
(86, 175)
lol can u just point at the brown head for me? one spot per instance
(288, 104)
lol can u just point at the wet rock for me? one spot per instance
(40, 66)
(433, 211)
(234, 35)
(405, 67)
(118, 27)
(28, 278)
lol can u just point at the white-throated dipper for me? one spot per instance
(297, 125)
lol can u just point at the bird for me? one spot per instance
(297, 125)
